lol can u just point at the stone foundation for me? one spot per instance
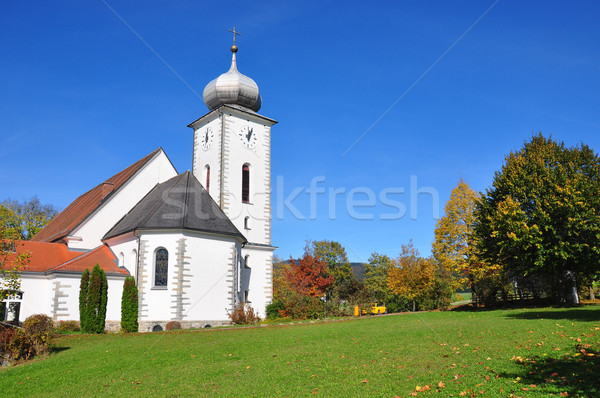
(148, 326)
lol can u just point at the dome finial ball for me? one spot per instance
(234, 49)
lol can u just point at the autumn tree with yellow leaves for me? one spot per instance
(411, 276)
(455, 249)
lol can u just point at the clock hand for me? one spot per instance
(249, 135)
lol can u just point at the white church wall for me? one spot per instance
(258, 210)
(125, 248)
(157, 170)
(211, 263)
(57, 295)
(257, 279)
(36, 295)
(199, 287)
(208, 155)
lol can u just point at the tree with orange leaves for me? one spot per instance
(310, 275)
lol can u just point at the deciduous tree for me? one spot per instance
(455, 248)
(310, 275)
(411, 276)
(542, 213)
(335, 255)
(376, 276)
(29, 217)
(12, 260)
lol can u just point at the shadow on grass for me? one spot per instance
(56, 350)
(589, 314)
(575, 374)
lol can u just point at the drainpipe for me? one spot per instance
(137, 260)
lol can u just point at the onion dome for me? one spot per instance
(232, 88)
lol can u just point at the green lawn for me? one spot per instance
(533, 352)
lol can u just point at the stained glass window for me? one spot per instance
(161, 267)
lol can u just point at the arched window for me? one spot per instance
(207, 177)
(134, 258)
(121, 259)
(246, 262)
(247, 222)
(246, 183)
(161, 268)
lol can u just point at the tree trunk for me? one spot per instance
(414, 305)
(592, 295)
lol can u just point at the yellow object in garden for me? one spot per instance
(374, 309)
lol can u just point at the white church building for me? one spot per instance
(197, 243)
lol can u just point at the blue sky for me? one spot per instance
(82, 97)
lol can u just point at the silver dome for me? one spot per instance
(232, 88)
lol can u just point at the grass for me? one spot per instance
(531, 353)
(464, 296)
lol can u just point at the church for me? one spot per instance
(197, 243)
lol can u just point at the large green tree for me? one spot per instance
(376, 277)
(334, 254)
(542, 214)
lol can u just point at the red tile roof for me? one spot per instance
(102, 256)
(56, 257)
(67, 220)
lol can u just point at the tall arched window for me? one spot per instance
(161, 268)
(246, 183)
(207, 177)
(247, 222)
(121, 259)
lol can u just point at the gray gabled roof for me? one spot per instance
(178, 203)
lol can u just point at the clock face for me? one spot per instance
(206, 138)
(248, 137)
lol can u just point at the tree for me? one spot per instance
(376, 276)
(83, 291)
(97, 296)
(335, 255)
(12, 260)
(310, 275)
(129, 306)
(455, 248)
(29, 217)
(411, 275)
(541, 217)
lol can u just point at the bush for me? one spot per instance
(173, 325)
(83, 288)
(38, 323)
(94, 314)
(129, 306)
(32, 339)
(275, 310)
(68, 326)
(243, 314)
(6, 336)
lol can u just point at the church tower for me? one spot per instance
(232, 160)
